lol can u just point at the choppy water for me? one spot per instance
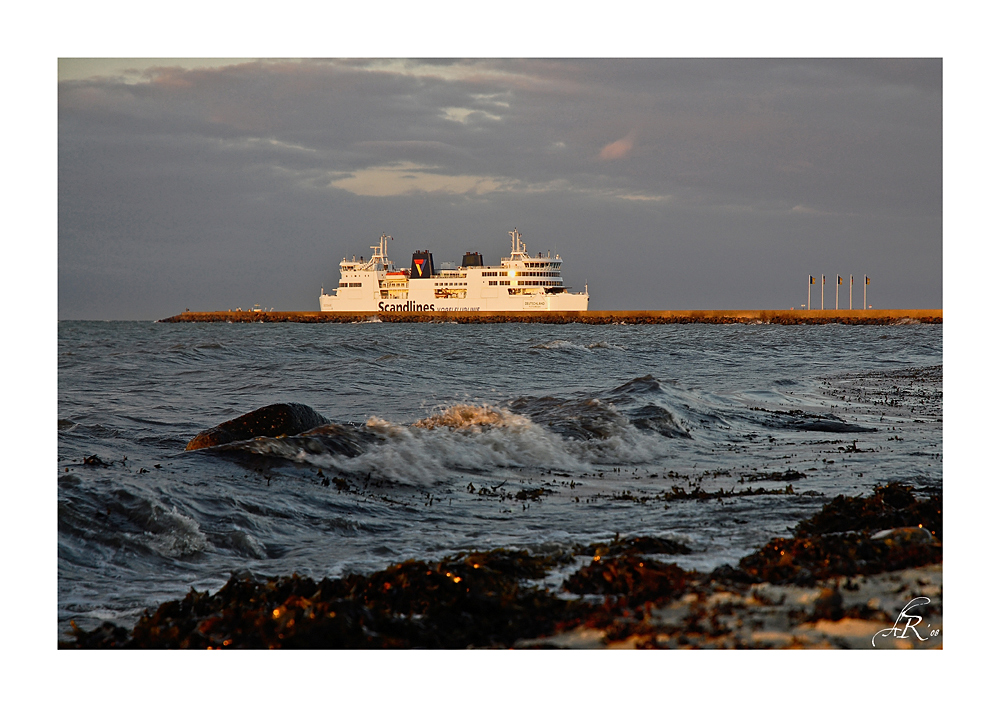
(471, 437)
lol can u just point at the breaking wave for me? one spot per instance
(630, 424)
(467, 416)
(133, 522)
(639, 422)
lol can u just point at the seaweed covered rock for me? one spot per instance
(806, 560)
(638, 545)
(268, 421)
(637, 579)
(890, 530)
(891, 506)
(465, 600)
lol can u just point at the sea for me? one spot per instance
(462, 437)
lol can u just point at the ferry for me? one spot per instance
(520, 283)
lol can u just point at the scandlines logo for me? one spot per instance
(408, 307)
(420, 266)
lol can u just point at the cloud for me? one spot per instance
(619, 148)
(462, 115)
(407, 177)
(404, 178)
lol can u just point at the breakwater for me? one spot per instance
(691, 316)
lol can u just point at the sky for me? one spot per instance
(662, 183)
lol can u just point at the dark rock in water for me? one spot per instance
(268, 421)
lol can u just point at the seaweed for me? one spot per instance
(790, 475)
(491, 599)
(639, 545)
(841, 539)
(464, 600)
(636, 579)
(532, 494)
(891, 506)
(806, 560)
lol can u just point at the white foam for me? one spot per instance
(175, 534)
(481, 438)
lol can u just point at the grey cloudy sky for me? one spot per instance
(664, 184)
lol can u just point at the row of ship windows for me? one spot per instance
(554, 273)
(443, 284)
(460, 292)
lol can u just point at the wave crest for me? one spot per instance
(465, 416)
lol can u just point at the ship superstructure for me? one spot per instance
(520, 283)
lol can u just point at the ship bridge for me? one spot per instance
(526, 271)
(379, 261)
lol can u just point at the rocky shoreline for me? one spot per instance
(845, 579)
(784, 317)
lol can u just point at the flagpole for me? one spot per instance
(810, 294)
(850, 294)
(836, 299)
(866, 292)
(822, 291)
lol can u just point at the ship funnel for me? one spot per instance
(472, 260)
(422, 265)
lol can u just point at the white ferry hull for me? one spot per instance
(521, 283)
(562, 302)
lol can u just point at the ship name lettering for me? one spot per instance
(408, 307)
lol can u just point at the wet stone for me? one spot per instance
(268, 421)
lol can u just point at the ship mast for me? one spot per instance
(380, 257)
(516, 246)
(381, 253)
